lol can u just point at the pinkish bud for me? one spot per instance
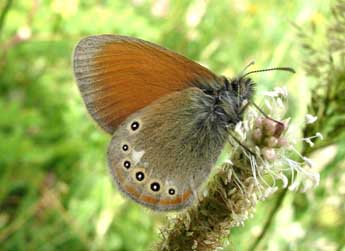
(269, 127)
(258, 122)
(269, 153)
(280, 127)
(282, 142)
(257, 135)
(271, 141)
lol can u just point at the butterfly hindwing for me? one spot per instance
(160, 155)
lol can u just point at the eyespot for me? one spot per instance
(126, 164)
(140, 176)
(155, 186)
(125, 147)
(171, 191)
(135, 125)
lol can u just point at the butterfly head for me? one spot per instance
(237, 93)
(235, 97)
(242, 89)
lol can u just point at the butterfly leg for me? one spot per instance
(242, 145)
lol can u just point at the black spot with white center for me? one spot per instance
(171, 191)
(140, 176)
(125, 147)
(127, 164)
(135, 125)
(155, 186)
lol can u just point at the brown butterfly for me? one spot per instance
(169, 117)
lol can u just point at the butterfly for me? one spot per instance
(169, 117)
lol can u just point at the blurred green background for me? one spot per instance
(55, 191)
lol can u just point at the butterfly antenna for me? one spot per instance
(289, 69)
(246, 67)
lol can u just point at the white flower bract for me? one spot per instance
(269, 147)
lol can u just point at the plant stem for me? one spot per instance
(205, 226)
(269, 220)
(4, 13)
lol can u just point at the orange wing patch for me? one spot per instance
(148, 200)
(119, 75)
(176, 201)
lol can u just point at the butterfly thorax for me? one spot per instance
(229, 99)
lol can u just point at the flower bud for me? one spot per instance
(258, 122)
(271, 141)
(257, 135)
(269, 127)
(280, 127)
(282, 142)
(269, 153)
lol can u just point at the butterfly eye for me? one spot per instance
(140, 176)
(155, 186)
(135, 125)
(125, 147)
(127, 164)
(171, 191)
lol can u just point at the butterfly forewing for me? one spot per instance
(119, 75)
